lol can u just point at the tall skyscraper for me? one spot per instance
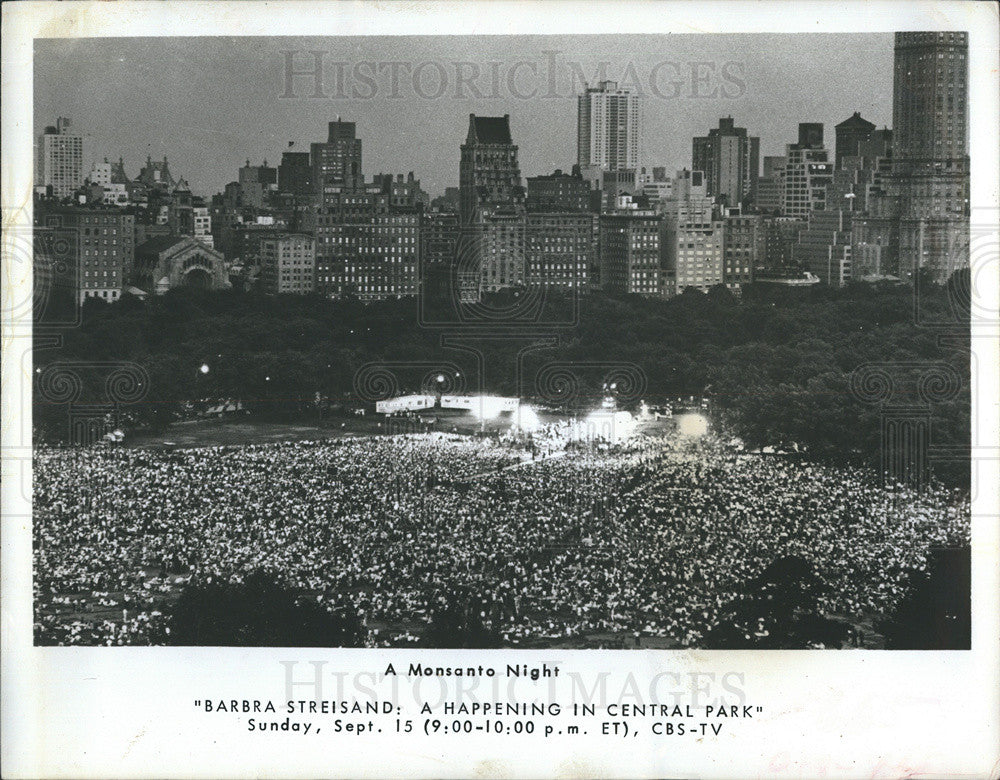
(489, 174)
(609, 128)
(922, 221)
(62, 159)
(851, 134)
(930, 167)
(730, 160)
(930, 97)
(492, 204)
(338, 161)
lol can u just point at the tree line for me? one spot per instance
(779, 366)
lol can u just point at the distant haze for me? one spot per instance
(209, 104)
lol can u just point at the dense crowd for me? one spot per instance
(655, 536)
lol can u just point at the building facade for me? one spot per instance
(609, 128)
(743, 248)
(851, 135)
(402, 191)
(807, 173)
(288, 264)
(439, 232)
(295, 173)
(922, 221)
(780, 233)
(730, 159)
(62, 159)
(770, 187)
(168, 262)
(101, 247)
(823, 247)
(492, 204)
(560, 249)
(631, 255)
(257, 182)
(365, 247)
(338, 160)
(558, 192)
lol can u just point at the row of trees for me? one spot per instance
(777, 363)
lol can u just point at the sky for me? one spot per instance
(211, 103)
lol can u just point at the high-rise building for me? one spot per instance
(693, 239)
(743, 248)
(631, 256)
(489, 174)
(439, 231)
(288, 264)
(366, 246)
(63, 159)
(808, 171)
(730, 160)
(560, 249)
(492, 204)
(923, 219)
(850, 135)
(930, 98)
(102, 247)
(609, 128)
(373, 259)
(338, 160)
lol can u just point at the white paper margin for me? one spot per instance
(129, 711)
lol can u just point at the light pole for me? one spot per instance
(203, 370)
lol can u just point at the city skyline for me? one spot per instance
(232, 84)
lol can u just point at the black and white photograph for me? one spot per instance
(440, 339)
(618, 352)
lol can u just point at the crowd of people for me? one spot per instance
(653, 537)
